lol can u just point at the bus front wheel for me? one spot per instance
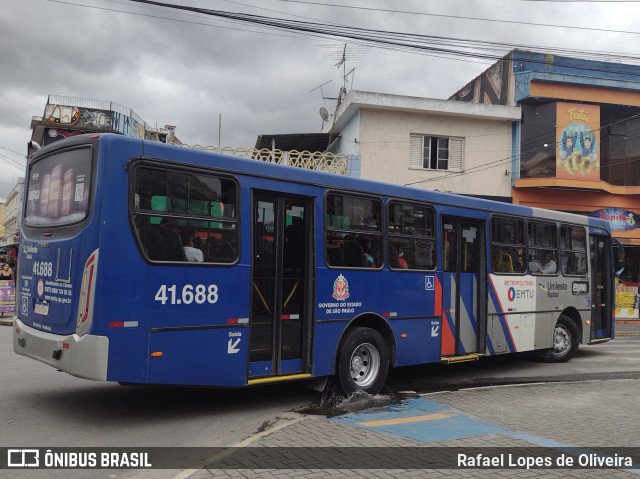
(566, 338)
(363, 363)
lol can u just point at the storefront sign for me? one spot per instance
(578, 141)
(619, 220)
(7, 296)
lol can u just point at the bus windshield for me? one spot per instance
(58, 188)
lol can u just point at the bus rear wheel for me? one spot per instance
(566, 338)
(363, 363)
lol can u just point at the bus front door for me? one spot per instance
(280, 316)
(464, 287)
(601, 287)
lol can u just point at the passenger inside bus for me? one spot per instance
(192, 253)
(549, 265)
(396, 258)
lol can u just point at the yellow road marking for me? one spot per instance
(404, 420)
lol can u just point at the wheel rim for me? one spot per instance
(365, 365)
(561, 339)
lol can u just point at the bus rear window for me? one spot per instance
(58, 188)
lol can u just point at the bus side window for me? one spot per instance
(411, 244)
(508, 247)
(353, 231)
(573, 255)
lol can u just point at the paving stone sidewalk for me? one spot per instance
(583, 414)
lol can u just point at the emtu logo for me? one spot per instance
(511, 293)
(23, 458)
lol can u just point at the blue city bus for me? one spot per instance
(148, 263)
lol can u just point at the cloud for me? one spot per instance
(190, 72)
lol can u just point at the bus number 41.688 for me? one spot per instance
(198, 293)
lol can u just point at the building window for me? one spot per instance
(436, 153)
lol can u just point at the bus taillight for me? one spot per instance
(87, 293)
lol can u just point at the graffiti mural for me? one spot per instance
(127, 125)
(61, 114)
(51, 135)
(491, 88)
(78, 120)
(95, 119)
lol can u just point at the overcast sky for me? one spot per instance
(186, 69)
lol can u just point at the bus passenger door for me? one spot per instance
(464, 287)
(601, 287)
(281, 268)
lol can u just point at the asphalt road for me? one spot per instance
(617, 359)
(43, 407)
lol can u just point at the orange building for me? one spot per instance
(577, 145)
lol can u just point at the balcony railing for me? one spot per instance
(311, 160)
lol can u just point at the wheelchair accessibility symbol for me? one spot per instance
(429, 283)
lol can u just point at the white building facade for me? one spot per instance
(433, 144)
(12, 220)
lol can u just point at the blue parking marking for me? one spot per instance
(428, 421)
(422, 420)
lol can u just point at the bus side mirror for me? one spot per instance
(618, 257)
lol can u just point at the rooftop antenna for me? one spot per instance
(321, 92)
(342, 55)
(345, 75)
(324, 113)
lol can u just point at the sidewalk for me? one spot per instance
(554, 415)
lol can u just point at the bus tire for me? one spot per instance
(566, 339)
(363, 361)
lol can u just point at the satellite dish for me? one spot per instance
(324, 114)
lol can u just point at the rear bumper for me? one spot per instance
(84, 356)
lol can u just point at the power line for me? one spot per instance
(13, 151)
(456, 49)
(8, 160)
(514, 22)
(445, 46)
(172, 19)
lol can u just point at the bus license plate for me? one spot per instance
(41, 308)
